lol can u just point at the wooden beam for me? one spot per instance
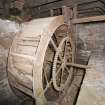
(75, 11)
(88, 19)
(23, 89)
(78, 66)
(41, 2)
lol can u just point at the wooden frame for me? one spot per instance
(88, 19)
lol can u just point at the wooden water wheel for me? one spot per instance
(39, 57)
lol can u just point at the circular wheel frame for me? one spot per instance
(57, 75)
(64, 55)
(38, 57)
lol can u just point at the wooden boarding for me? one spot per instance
(88, 19)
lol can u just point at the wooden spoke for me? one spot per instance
(59, 62)
(60, 57)
(55, 48)
(69, 70)
(45, 77)
(58, 70)
(62, 74)
(54, 37)
(54, 45)
(48, 85)
(66, 68)
(64, 49)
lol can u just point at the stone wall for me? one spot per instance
(8, 31)
(92, 38)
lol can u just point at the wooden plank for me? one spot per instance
(84, 1)
(91, 5)
(42, 2)
(52, 3)
(90, 14)
(23, 89)
(88, 19)
(75, 11)
(65, 2)
(93, 9)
